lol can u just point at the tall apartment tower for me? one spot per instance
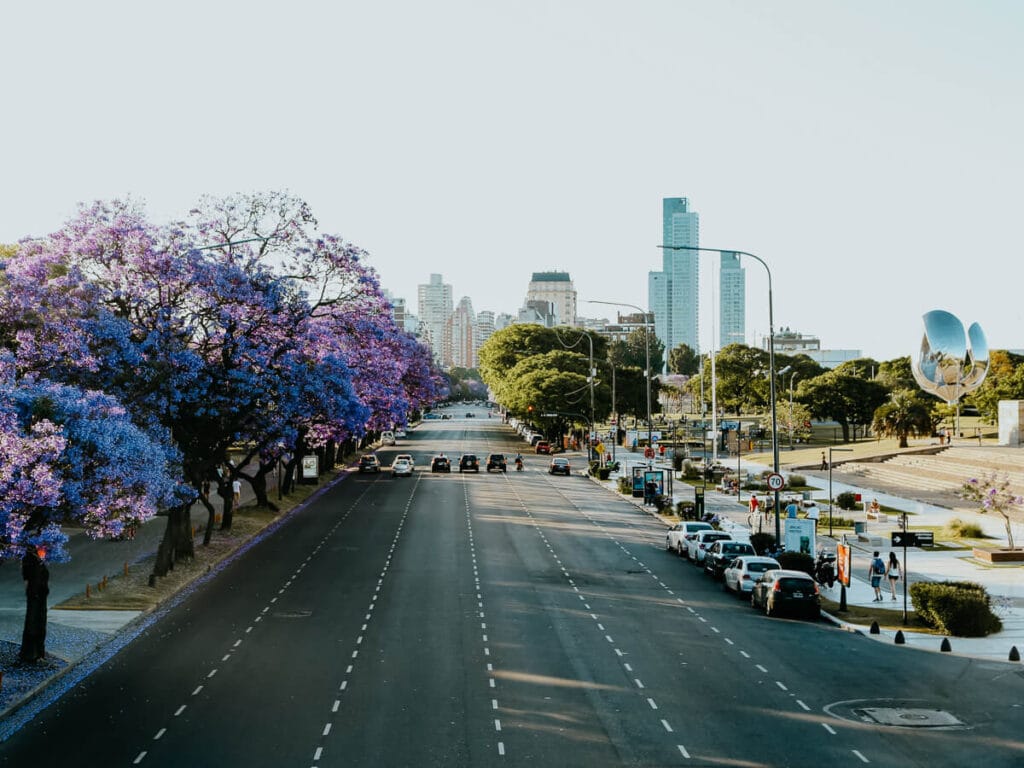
(434, 306)
(557, 288)
(461, 348)
(732, 309)
(673, 294)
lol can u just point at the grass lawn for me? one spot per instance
(891, 619)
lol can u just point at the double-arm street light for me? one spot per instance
(771, 361)
(647, 357)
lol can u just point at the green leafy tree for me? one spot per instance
(904, 415)
(861, 368)
(849, 400)
(633, 351)
(896, 374)
(1004, 381)
(683, 359)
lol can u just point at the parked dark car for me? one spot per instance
(794, 592)
(721, 553)
(440, 464)
(469, 463)
(496, 461)
(369, 463)
(543, 446)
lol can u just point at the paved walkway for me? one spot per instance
(1005, 583)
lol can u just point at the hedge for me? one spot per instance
(958, 608)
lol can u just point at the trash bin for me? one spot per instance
(859, 528)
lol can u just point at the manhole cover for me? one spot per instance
(908, 717)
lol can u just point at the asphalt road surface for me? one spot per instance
(506, 620)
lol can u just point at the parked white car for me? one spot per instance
(698, 545)
(740, 575)
(387, 438)
(678, 534)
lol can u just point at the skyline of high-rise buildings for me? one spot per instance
(673, 293)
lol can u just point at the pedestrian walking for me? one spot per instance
(650, 491)
(236, 491)
(824, 462)
(875, 572)
(892, 572)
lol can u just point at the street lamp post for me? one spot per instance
(792, 376)
(830, 499)
(771, 362)
(647, 357)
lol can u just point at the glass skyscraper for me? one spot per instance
(674, 292)
(732, 310)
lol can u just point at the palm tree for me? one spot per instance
(902, 416)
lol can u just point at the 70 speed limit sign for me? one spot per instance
(775, 481)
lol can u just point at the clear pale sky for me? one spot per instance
(870, 152)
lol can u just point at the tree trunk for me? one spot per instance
(177, 542)
(211, 513)
(259, 484)
(37, 587)
(228, 507)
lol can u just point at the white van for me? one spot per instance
(387, 438)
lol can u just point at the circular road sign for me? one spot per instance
(775, 481)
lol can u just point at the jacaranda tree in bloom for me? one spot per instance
(70, 456)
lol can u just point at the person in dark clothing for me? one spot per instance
(37, 587)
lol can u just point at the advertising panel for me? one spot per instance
(310, 468)
(799, 535)
(844, 562)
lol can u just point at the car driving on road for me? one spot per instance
(369, 463)
(469, 463)
(440, 463)
(559, 466)
(401, 468)
(496, 461)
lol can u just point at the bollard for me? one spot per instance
(125, 567)
(945, 647)
(87, 593)
(1014, 654)
(874, 628)
(899, 639)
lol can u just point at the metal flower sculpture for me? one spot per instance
(949, 367)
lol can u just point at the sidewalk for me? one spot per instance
(1005, 583)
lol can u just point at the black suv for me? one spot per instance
(369, 463)
(721, 553)
(469, 463)
(496, 461)
(440, 464)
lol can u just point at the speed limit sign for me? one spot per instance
(775, 481)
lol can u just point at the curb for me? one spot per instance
(99, 655)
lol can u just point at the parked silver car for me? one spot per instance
(742, 572)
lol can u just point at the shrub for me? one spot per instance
(663, 504)
(846, 500)
(797, 561)
(958, 608)
(797, 481)
(626, 486)
(687, 510)
(690, 471)
(762, 542)
(959, 529)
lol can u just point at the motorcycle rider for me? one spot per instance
(519, 462)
